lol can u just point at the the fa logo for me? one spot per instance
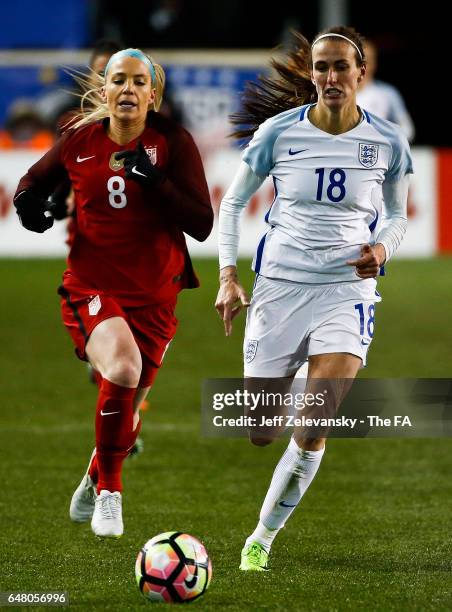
(250, 350)
(152, 153)
(368, 154)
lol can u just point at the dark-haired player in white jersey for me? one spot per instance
(315, 293)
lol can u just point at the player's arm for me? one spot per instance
(182, 187)
(395, 194)
(36, 185)
(58, 202)
(231, 295)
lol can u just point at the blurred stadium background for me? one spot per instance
(373, 531)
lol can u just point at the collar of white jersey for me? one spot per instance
(305, 110)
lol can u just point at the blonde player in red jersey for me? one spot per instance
(138, 186)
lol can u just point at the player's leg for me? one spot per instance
(334, 327)
(274, 350)
(84, 497)
(153, 328)
(112, 350)
(300, 462)
(137, 447)
(140, 398)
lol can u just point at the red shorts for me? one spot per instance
(153, 327)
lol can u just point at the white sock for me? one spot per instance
(262, 535)
(291, 479)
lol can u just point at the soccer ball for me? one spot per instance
(173, 567)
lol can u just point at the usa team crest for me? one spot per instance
(152, 154)
(368, 154)
(250, 351)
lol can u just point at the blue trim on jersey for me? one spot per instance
(382, 271)
(303, 111)
(366, 115)
(373, 225)
(260, 250)
(267, 214)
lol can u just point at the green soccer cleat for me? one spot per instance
(254, 558)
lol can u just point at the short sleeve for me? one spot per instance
(401, 162)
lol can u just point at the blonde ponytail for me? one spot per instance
(159, 85)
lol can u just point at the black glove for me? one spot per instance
(57, 207)
(138, 167)
(30, 209)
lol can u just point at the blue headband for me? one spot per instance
(132, 53)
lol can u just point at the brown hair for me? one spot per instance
(289, 88)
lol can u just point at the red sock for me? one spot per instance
(93, 470)
(114, 422)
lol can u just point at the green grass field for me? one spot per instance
(372, 533)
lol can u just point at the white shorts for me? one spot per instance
(287, 322)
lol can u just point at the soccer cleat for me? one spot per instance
(82, 502)
(254, 558)
(107, 517)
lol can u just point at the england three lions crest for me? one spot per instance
(250, 350)
(368, 154)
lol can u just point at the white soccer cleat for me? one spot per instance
(82, 502)
(107, 517)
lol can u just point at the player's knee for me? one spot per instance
(310, 444)
(260, 441)
(124, 372)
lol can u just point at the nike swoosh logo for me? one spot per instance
(364, 343)
(284, 505)
(191, 583)
(296, 152)
(82, 159)
(107, 413)
(135, 171)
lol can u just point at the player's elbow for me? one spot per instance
(204, 226)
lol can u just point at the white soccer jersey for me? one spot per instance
(328, 192)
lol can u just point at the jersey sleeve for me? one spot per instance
(395, 194)
(259, 152)
(187, 198)
(245, 183)
(47, 173)
(401, 162)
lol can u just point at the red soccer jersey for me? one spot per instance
(129, 240)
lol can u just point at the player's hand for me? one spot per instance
(231, 298)
(138, 167)
(31, 211)
(368, 265)
(57, 207)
